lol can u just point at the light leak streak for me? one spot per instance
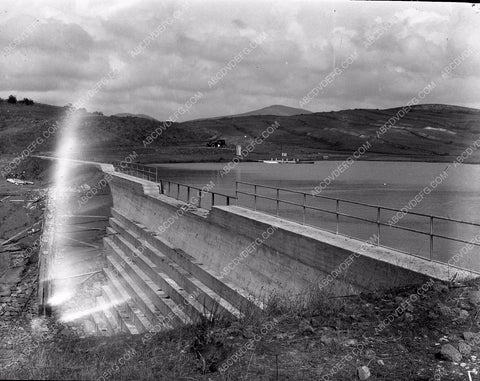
(59, 204)
(79, 314)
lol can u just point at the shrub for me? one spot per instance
(12, 99)
(27, 101)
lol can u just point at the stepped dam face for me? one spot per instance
(164, 263)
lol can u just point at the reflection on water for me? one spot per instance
(390, 184)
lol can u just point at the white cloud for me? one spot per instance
(78, 42)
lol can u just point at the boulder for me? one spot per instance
(450, 353)
(363, 373)
(474, 297)
(464, 348)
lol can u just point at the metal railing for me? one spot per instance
(179, 191)
(186, 193)
(338, 213)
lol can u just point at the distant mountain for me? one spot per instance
(276, 110)
(128, 115)
(427, 132)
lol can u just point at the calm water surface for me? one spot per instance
(391, 184)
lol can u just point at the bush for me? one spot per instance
(12, 99)
(27, 101)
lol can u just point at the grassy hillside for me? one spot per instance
(427, 132)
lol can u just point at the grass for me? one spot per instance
(199, 352)
(304, 337)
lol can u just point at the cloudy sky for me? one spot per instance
(151, 56)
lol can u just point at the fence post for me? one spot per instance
(431, 237)
(255, 198)
(213, 198)
(278, 201)
(378, 226)
(337, 208)
(304, 211)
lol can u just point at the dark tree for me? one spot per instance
(12, 99)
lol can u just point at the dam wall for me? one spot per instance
(263, 254)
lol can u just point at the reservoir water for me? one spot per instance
(390, 184)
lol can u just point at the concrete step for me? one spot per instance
(209, 302)
(120, 309)
(142, 289)
(191, 306)
(237, 297)
(116, 294)
(110, 320)
(100, 322)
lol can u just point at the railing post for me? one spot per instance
(304, 202)
(378, 226)
(431, 237)
(178, 191)
(200, 198)
(278, 201)
(228, 200)
(255, 197)
(161, 186)
(337, 208)
(156, 174)
(236, 189)
(188, 194)
(169, 188)
(213, 198)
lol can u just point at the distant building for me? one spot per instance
(220, 143)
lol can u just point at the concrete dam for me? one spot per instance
(166, 262)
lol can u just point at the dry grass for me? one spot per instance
(309, 337)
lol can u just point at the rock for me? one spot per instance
(350, 342)
(469, 335)
(380, 362)
(444, 310)
(474, 297)
(461, 314)
(464, 348)
(449, 352)
(363, 373)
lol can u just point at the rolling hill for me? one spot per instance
(277, 110)
(128, 115)
(426, 133)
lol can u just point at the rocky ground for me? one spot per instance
(422, 332)
(389, 335)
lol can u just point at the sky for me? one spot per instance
(152, 57)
